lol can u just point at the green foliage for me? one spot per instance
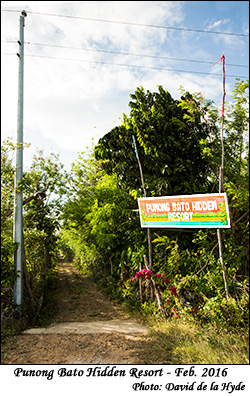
(188, 343)
(40, 225)
(179, 147)
(168, 148)
(224, 313)
(178, 142)
(98, 221)
(7, 195)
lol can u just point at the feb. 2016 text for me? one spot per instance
(191, 378)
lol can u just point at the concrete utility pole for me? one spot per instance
(18, 207)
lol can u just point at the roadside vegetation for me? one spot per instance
(175, 342)
(179, 147)
(95, 221)
(43, 187)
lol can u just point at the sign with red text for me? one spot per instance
(185, 211)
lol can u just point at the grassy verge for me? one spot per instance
(177, 342)
(174, 342)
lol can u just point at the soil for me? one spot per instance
(79, 304)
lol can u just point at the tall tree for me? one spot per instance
(168, 146)
(43, 186)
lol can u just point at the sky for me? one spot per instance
(82, 60)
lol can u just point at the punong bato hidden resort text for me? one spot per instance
(185, 211)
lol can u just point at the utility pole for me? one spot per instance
(18, 206)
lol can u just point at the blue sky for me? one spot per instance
(75, 94)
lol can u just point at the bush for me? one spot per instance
(224, 313)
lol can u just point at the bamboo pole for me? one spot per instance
(158, 297)
(140, 284)
(145, 194)
(221, 180)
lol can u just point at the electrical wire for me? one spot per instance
(132, 66)
(126, 53)
(122, 53)
(134, 24)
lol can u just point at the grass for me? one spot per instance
(174, 342)
(177, 342)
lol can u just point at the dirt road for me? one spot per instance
(87, 329)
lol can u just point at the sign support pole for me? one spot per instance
(145, 194)
(221, 177)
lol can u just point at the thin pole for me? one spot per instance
(140, 168)
(221, 180)
(18, 196)
(221, 176)
(145, 194)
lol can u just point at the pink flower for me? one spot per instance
(173, 291)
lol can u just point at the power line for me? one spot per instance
(141, 24)
(129, 54)
(135, 24)
(124, 53)
(133, 66)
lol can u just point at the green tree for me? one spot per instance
(7, 202)
(236, 185)
(237, 177)
(99, 221)
(236, 173)
(168, 147)
(43, 185)
(180, 151)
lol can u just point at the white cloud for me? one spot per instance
(227, 41)
(217, 24)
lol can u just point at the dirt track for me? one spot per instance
(80, 302)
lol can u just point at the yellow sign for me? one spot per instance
(185, 211)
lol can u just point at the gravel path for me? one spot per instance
(87, 329)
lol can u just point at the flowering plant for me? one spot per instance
(142, 274)
(171, 303)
